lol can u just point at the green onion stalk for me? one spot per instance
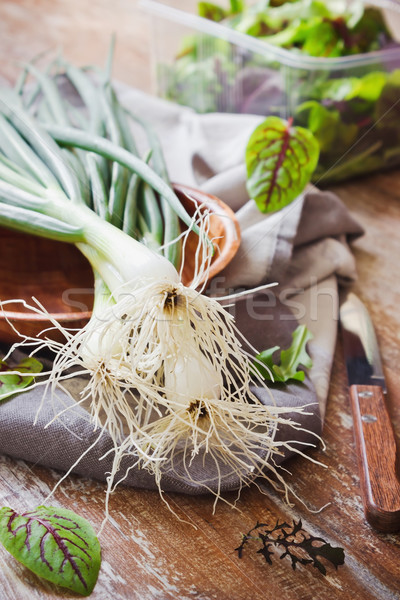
(169, 379)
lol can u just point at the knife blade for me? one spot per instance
(373, 432)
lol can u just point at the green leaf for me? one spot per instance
(13, 383)
(280, 160)
(267, 358)
(371, 30)
(340, 89)
(370, 86)
(323, 123)
(327, 126)
(237, 6)
(290, 359)
(298, 11)
(211, 11)
(322, 39)
(55, 544)
(387, 108)
(297, 354)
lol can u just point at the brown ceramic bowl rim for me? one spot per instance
(231, 228)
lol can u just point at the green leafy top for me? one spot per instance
(55, 544)
(280, 160)
(315, 27)
(290, 359)
(15, 379)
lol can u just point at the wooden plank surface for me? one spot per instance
(147, 553)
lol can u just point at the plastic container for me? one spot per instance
(351, 103)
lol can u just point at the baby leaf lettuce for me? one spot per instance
(353, 140)
(211, 11)
(214, 12)
(55, 544)
(313, 27)
(290, 359)
(355, 122)
(15, 379)
(387, 108)
(280, 160)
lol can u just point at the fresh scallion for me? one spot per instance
(169, 379)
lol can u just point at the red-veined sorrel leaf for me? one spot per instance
(55, 544)
(280, 160)
(11, 382)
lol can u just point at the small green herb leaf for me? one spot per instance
(297, 354)
(290, 359)
(55, 544)
(266, 357)
(295, 543)
(280, 160)
(15, 379)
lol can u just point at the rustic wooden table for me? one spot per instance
(147, 553)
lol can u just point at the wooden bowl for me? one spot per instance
(60, 278)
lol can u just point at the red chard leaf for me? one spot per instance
(280, 160)
(55, 544)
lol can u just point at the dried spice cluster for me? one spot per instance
(300, 546)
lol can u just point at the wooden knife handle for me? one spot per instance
(376, 453)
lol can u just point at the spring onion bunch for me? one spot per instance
(169, 374)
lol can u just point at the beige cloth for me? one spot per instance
(303, 248)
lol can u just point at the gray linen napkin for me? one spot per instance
(303, 248)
